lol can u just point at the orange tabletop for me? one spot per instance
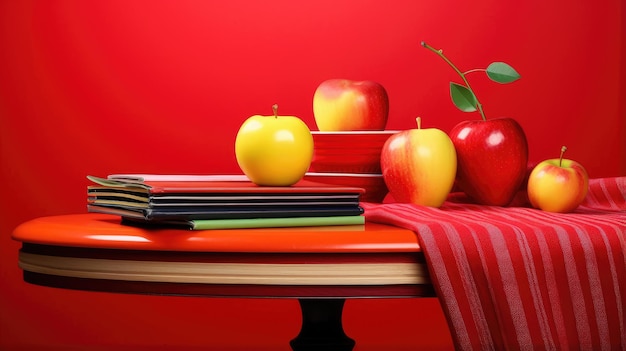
(98, 252)
(320, 266)
(105, 231)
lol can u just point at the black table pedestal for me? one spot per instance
(322, 327)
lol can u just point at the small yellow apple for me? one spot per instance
(558, 185)
(274, 150)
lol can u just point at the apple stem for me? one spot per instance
(419, 122)
(467, 84)
(275, 109)
(563, 149)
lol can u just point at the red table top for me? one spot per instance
(105, 231)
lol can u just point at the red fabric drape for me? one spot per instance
(518, 278)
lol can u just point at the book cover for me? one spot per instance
(276, 222)
(182, 184)
(140, 178)
(142, 198)
(185, 213)
(249, 223)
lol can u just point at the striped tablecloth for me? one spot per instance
(520, 278)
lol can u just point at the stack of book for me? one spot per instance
(222, 202)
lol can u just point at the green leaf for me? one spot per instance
(462, 97)
(502, 73)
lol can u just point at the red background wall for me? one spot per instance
(99, 87)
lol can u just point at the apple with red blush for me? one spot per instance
(419, 166)
(558, 185)
(492, 154)
(347, 105)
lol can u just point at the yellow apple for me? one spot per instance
(419, 166)
(274, 150)
(558, 185)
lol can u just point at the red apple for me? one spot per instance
(558, 185)
(419, 166)
(492, 157)
(346, 105)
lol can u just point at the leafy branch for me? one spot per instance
(463, 96)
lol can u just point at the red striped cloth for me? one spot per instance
(517, 278)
